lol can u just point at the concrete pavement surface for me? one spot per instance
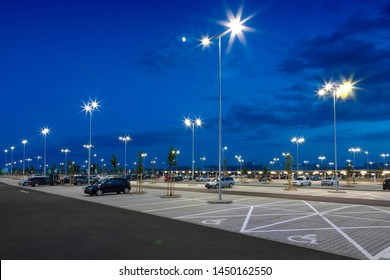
(350, 222)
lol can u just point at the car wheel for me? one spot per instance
(331, 183)
(24, 184)
(310, 184)
(78, 183)
(99, 192)
(126, 190)
(216, 186)
(55, 184)
(230, 185)
(36, 184)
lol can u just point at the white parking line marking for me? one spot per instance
(248, 216)
(346, 236)
(171, 208)
(23, 191)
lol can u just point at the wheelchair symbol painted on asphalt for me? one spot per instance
(307, 239)
(213, 222)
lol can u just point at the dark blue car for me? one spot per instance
(117, 185)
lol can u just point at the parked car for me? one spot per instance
(386, 184)
(35, 175)
(302, 181)
(23, 182)
(117, 185)
(329, 181)
(203, 179)
(177, 178)
(80, 180)
(44, 180)
(264, 179)
(225, 182)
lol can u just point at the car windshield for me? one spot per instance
(101, 181)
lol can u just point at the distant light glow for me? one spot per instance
(183, 39)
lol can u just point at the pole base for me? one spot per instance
(220, 202)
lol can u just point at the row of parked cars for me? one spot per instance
(306, 181)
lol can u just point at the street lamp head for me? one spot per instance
(354, 150)
(236, 26)
(298, 140)
(24, 142)
(198, 122)
(94, 104)
(12, 147)
(205, 41)
(45, 131)
(125, 138)
(187, 122)
(342, 90)
(91, 106)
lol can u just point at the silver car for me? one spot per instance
(225, 182)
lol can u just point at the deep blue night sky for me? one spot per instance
(130, 56)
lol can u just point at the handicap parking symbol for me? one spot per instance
(213, 222)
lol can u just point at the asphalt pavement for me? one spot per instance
(38, 225)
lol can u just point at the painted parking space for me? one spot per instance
(357, 231)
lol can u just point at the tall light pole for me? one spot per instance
(6, 157)
(354, 151)
(65, 151)
(144, 155)
(12, 158)
(89, 107)
(191, 123)
(384, 159)
(366, 152)
(225, 148)
(321, 158)
(44, 131)
(306, 162)
(38, 158)
(125, 139)
(297, 140)
(88, 162)
(342, 90)
(203, 159)
(24, 142)
(236, 28)
(176, 153)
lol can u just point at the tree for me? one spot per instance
(114, 163)
(171, 160)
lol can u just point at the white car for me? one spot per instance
(225, 182)
(330, 181)
(302, 181)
